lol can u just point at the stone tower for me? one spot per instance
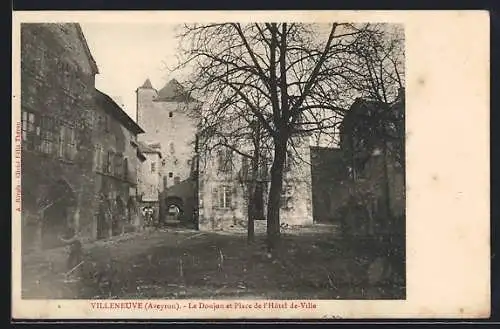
(169, 118)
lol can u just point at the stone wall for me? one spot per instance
(149, 180)
(57, 83)
(111, 137)
(329, 188)
(296, 200)
(173, 125)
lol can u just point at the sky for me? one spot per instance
(128, 54)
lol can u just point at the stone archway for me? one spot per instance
(174, 210)
(58, 206)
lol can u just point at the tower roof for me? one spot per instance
(173, 91)
(147, 84)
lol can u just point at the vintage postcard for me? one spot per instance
(250, 165)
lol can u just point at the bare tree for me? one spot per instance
(298, 70)
(377, 122)
(244, 136)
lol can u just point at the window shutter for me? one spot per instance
(220, 160)
(244, 167)
(125, 168)
(73, 144)
(233, 198)
(108, 162)
(215, 198)
(96, 158)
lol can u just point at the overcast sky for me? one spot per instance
(127, 54)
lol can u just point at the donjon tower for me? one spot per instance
(169, 118)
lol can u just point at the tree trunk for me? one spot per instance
(273, 206)
(387, 192)
(251, 226)
(252, 198)
(252, 186)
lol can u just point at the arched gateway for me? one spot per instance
(58, 208)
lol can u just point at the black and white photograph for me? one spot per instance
(232, 160)
(271, 165)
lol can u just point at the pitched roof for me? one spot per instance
(173, 91)
(147, 84)
(92, 61)
(145, 148)
(110, 106)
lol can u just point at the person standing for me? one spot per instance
(71, 239)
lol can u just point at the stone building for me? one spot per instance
(202, 187)
(329, 184)
(223, 190)
(115, 162)
(149, 177)
(372, 140)
(169, 118)
(57, 89)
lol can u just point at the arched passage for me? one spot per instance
(174, 209)
(58, 207)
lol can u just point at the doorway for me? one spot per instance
(59, 206)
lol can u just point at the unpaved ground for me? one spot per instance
(189, 264)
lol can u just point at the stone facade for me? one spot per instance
(330, 188)
(223, 198)
(208, 198)
(149, 177)
(57, 86)
(169, 117)
(376, 163)
(115, 162)
(79, 154)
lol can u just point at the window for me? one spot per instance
(177, 180)
(71, 143)
(170, 114)
(62, 141)
(286, 193)
(170, 174)
(118, 165)
(288, 161)
(67, 142)
(246, 171)
(222, 197)
(30, 130)
(65, 68)
(263, 171)
(40, 59)
(108, 163)
(107, 123)
(172, 149)
(225, 160)
(90, 119)
(98, 158)
(125, 168)
(47, 133)
(165, 182)
(153, 167)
